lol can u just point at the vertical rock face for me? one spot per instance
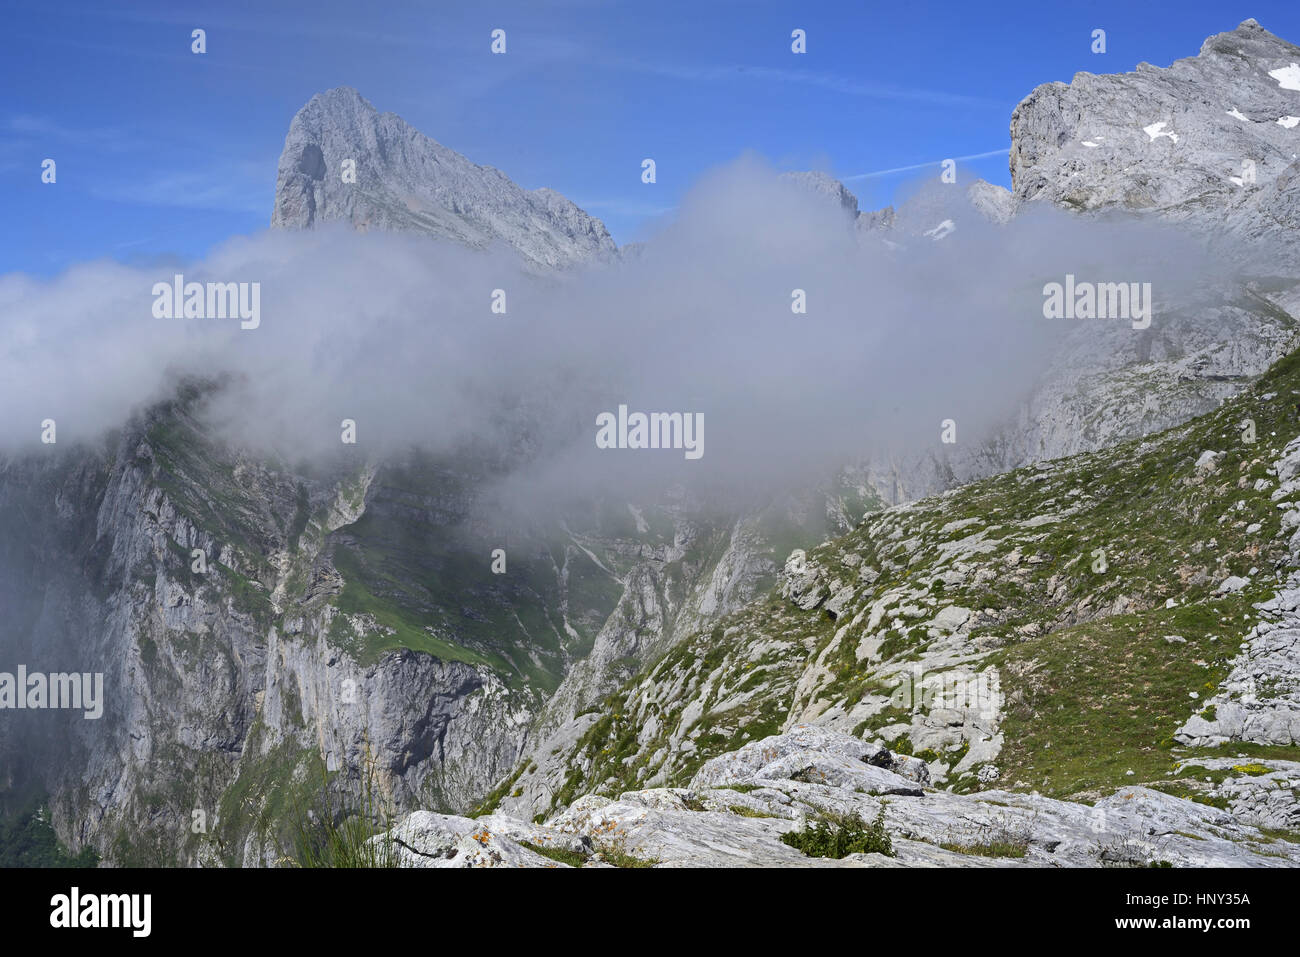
(345, 626)
(406, 181)
(230, 692)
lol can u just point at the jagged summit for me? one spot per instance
(406, 181)
(922, 216)
(826, 185)
(1213, 137)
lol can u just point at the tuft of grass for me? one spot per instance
(1280, 834)
(1007, 838)
(614, 851)
(989, 848)
(335, 835)
(558, 854)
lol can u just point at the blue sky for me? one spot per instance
(165, 153)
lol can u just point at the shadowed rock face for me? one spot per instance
(218, 684)
(406, 181)
(1174, 141)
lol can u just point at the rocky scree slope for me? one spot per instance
(742, 808)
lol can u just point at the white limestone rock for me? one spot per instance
(406, 181)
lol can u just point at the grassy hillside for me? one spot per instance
(1091, 584)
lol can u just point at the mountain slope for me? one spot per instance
(1106, 383)
(1055, 629)
(345, 624)
(348, 620)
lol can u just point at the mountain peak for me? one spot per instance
(345, 161)
(825, 185)
(1212, 136)
(1249, 39)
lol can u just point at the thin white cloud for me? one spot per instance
(847, 86)
(625, 208)
(233, 187)
(932, 163)
(28, 127)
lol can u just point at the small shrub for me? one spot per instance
(693, 802)
(28, 840)
(839, 836)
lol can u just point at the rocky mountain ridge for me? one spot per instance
(1105, 384)
(1210, 140)
(402, 180)
(348, 620)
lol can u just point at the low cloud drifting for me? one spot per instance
(397, 333)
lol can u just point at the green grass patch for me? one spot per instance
(559, 854)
